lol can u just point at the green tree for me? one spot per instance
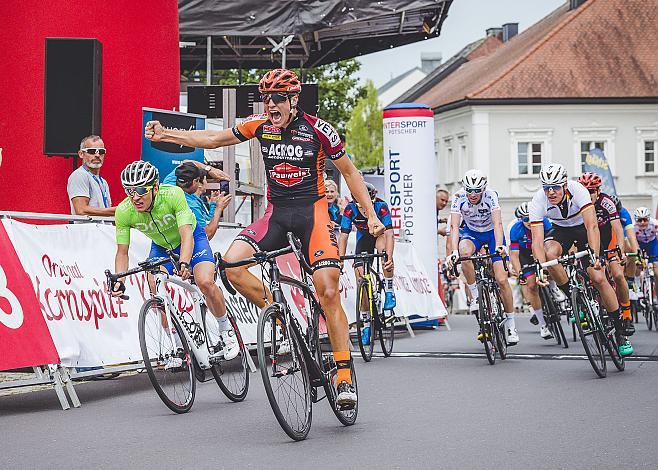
(365, 135)
(338, 88)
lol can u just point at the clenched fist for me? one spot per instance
(154, 131)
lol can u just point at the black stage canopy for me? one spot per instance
(245, 33)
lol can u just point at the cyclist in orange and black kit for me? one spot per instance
(295, 146)
(612, 236)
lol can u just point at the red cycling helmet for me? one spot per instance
(280, 81)
(590, 180)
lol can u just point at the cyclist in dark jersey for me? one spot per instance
(366, 243)
(612, 235)
(295, 146)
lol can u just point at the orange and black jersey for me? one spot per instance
(295, 156)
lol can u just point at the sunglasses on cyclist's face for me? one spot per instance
(277, 98)
(139, 191)
(525, 220)
(473, 191)
(593, 190)
(641, 221)
(94, 151)
(552, 187)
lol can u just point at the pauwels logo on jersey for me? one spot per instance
(328, 131)
(288, 175)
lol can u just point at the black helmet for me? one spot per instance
(372, 191)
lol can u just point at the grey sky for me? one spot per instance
(467, 21)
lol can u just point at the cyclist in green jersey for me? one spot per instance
(162, 214)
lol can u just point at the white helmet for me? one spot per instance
(474, 180)
(139, 173)
(642, 213)
(522, 211)
(553, 173)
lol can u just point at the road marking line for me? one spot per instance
(461, 355)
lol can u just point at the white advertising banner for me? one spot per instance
(66, 265)
(410, 178)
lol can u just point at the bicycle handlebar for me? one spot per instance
(365, 256)
(147, 265)
(485, 256)
(566, 259)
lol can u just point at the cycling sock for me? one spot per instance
(511, 324)
(343, 361)
(224, 324)
(566, 289)
(626, 311)
(539, 313)
(474, 291)
(388, 284)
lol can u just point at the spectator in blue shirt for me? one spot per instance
(191, 176)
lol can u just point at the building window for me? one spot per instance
(529, 157)
(650, 147)
(586, 146)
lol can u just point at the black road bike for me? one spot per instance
(294, 361)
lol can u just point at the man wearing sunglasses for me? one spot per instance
(647, 228)
(568, 205)
(88, 191)
(612, 235)
(162, 214)
(478, 208)
(520, 239)
(294, 146)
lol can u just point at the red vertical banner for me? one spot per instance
(24, 337)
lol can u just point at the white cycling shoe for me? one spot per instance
(545, 333)
(512, 337)
(231, 346)
(173, 363)
(473, 307)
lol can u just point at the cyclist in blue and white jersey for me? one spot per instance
(478, 208)
(524, 264)
(646, 229)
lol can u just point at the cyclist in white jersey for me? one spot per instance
(479, 210)
(646, 234)
(569, 207)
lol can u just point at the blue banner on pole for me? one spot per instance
(166, 156)
(596, 162)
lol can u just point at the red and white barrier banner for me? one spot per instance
(66, 265)
(24, 337)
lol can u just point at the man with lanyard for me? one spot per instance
(478, 207)
(569, 207)
(294, 147)
(88, 191)
(162, 214)
(523, 264)
(366, 243)
(189, 176)
(646, 237)
(611, 235)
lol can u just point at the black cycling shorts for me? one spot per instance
(568, 237)
(365, 244)
(527, 263)
(308, 221)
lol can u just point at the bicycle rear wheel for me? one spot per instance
(590, 336)
(365, 320)
(385, 326)
(231, 376)
(499, 324)
(552, 316)
(168, 364)
(285, 373)
(486, 327)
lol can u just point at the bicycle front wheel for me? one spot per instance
(364, 321)
(385, 327)
(486, 326)
(590, 336)
(167, 357)
(231, 376)
(284, 372)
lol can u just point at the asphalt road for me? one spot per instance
(434, 410)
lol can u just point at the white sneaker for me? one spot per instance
(544, 332)
(231, 347)
(512, 337)
(473, 306)
(173, 363)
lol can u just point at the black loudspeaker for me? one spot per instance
(72, 107)
(208, 100)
